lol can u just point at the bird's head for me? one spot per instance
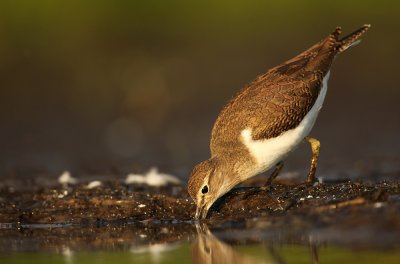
(208, 181)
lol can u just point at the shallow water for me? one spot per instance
(194, 243)
(187, 243)
(324, 223)
(243, 254)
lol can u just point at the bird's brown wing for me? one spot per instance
(276, 101)
(267, 108)
(285, 105)
(279, 99)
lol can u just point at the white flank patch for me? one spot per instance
(66, 178)
(268, 152)
(152, 178)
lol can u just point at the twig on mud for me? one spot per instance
(356, 201)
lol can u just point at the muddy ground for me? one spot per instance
(51, 216)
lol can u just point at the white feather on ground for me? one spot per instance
(66, 178)
(152, 178)
(94, 184)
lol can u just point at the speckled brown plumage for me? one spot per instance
(278, 100)
(272, 104)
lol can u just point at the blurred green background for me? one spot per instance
(101, 86)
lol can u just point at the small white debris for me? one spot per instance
(143, 235)
(135, 178)
(156, 250)
(62, 195)
(152, 178)
(379, 205)
(141, 205)
(68, 255)
(66, 178)
(66, 251)
(302, 199)
(310, 196)
(94, 184)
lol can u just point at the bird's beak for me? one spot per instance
(201, 212)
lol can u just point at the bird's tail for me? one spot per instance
(327, 49)
(349, 40)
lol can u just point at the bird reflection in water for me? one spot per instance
(209, 249)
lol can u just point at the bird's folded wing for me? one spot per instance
(272, 104)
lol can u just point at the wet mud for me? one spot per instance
(114, 213)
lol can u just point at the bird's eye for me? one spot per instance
(205, 189)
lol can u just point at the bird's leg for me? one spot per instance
(315, 146)
(274, 174)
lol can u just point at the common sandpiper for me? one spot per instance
(267, 120)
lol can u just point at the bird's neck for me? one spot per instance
(231, 171)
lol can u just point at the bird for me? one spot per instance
(207, 248)
(266, 120)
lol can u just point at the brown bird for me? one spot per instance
(266, 120)
(209, 249)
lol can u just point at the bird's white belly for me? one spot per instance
(268, 152)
